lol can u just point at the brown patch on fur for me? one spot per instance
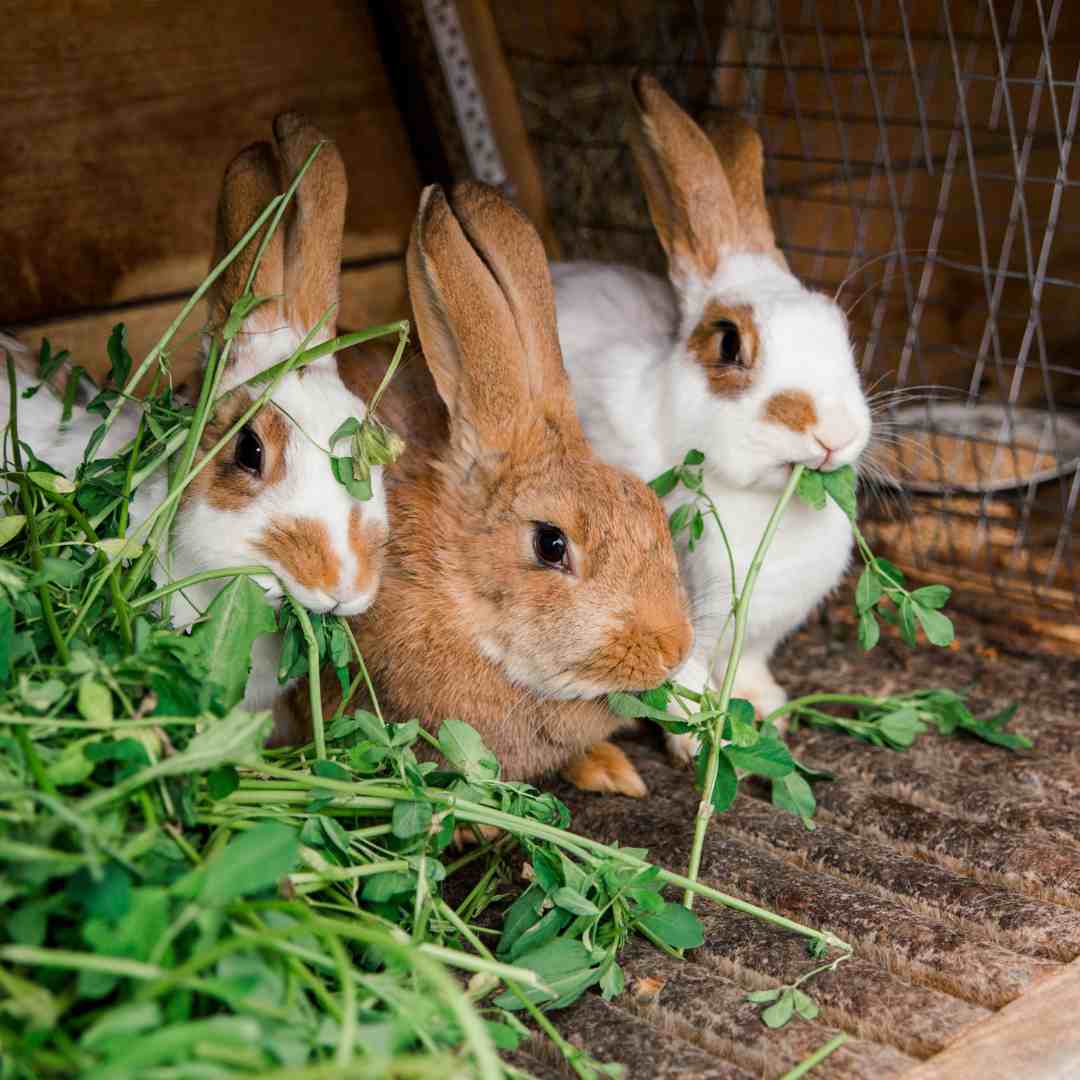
(792, 409)
(223, 484)
(690, 199)
(302, 547)
(705, 343)
(366, 541)
(604, 767)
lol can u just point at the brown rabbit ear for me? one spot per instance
(251, 181)
(690, 199)
(485, 311)
(739, 149)
(316, 225)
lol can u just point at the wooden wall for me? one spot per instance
(116, 122)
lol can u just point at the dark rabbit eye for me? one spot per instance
(730, 342)
(551, 546)
(249, 451)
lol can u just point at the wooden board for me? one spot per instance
(1035, 1037)
(370, 295)
(117, 121)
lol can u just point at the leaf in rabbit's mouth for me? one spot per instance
(371, 443)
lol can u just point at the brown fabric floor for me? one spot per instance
(954, 869)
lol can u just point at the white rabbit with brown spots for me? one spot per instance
(733, 356)
(269, 496)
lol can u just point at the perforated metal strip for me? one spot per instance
(468, 102)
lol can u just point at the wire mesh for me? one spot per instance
(917, 164)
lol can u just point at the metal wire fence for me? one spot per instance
(918, 161)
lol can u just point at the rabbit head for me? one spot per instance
(765, 366)
(561, 567)
(270, 495)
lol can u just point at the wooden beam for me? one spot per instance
(1035, 1037)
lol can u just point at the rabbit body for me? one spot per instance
(269, 496)
(524, 578)
(731, 356)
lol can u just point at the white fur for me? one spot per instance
(644, 402)
(203, 538)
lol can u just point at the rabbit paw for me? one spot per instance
(682, 747)
(756, 684)
(604, 767)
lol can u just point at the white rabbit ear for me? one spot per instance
(739, 149)
(481, 292)
(250, 182)
(690, 200)
(316, 225)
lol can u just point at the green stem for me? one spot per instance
(314, 686)
(363, 670)
(27, 501)
(817, 1057)
(196, 579)
(742, 616)
(22, 737)
(796, 704)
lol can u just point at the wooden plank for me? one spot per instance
(117, 121)
(1035, 1037)
(500, 96)
(369, 295)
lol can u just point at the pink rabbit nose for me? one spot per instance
(832, 451)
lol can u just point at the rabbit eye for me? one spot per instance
(249, 451)
(730, 342)
(551, 546)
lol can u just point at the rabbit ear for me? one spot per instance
(316, 225)
(690, 199)
(739, 149)
(251, 181)
(482, 295)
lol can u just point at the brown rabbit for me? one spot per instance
(524, 579)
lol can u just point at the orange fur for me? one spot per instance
(690, 199)
(604, 767)
(463, 596)
(792, 409)
(704, 344)
(366, 541)
(302, 547)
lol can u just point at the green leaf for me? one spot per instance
(502, 1035)
(612, 981)
(251, 862)
(235, 739)
(633, 707)
(908, 623)
(222, 781)
(767, 757)
(741, 716)
(777, 1015)
(675, 926)
(465, 750)
(235, 618)
(679, 519)
(937, 627)
(891, 574)
(94, 701)
(119, 357)
(379, 888)
(867, 591)
(571, 900)
(114, 547)
(901, 727)
(330, 770)
(727, 782)
(665, 483)
(7, 640)
(932, 596)
(358, 487)
(805, 1005)
(840, 484)
(563, 956)
(794, 794)
(811, 489)
(122, 1021)
(411, 818)
(869, 631)
(694, 457)
(763, 997)
(51, 482)
(110, 897)
(10, 527)
(345, 430)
